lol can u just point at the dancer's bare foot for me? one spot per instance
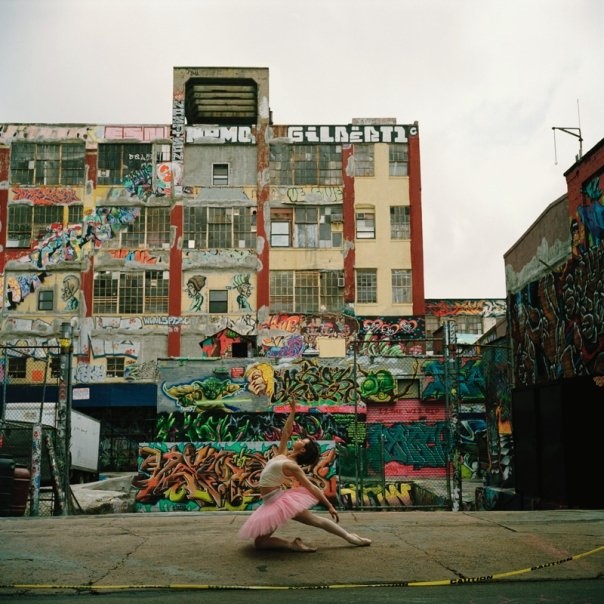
(360, 541)
(298, 545)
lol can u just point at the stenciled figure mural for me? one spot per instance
(243, 286)
(71, 286)
(194, 286)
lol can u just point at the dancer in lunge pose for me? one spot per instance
(280, 505)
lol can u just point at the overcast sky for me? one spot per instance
(487, 80)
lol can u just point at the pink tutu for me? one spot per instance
(277, 508)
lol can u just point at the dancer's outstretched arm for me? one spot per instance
(287, 429)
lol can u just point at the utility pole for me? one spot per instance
(64, 403)
(452, 407)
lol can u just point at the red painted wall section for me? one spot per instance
(262, 222)
(175, 291)
(348, 224)
(417, 237)
(91, 163)
(4, 165)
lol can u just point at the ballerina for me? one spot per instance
(280, 505)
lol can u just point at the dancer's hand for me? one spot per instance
(333, 513)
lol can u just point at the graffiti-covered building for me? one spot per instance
(220, 234)
(555, 288)
(216, 266)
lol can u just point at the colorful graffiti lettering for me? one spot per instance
(210, 476)
(314, 385)
(409, 450)
(393, 327)
(191, 426)
(465, 380)
(393, 495)
(46, 195)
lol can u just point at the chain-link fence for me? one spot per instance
(29, 439)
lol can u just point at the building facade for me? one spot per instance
(555, 288)
(193, 239)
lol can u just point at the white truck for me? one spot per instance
(85, 432)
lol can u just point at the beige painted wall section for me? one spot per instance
(306, 259)
(382, 191)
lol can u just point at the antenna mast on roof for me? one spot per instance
(573, 132)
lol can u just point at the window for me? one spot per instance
(44, 217)
(364, 160)
(47, 163)
(366, 285)
(305, 164)
(28, 223)
(130, 293)
(150, 229)
(17, 367)
(223, 228)
(401, 286)
(306, 233)
(46, 299)
(469, 324)
(365, 223)
(306, 291)
(115, 367)
(398, 156)
(306, 227)
(219, 300)
(280, 233)
(220, 174)
(163, 153)
(400, 225)
(125, 161)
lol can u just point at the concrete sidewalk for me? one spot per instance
(129, 550)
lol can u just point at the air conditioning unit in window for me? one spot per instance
(340, 281)
(336, 218)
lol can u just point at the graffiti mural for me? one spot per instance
(199, 476)
(18, 287)
(329, 388)
(289, 335)
(46, 195)
(241, 283)
(242, 427)
(212, 384)
(557, 322)
(466, 374)
(483, 308)
(69, 292)
(194, 287)
(591, 213)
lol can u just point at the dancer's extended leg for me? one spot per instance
(327, 524)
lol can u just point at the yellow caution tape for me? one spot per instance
(193, 586)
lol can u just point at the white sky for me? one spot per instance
(486, 80)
